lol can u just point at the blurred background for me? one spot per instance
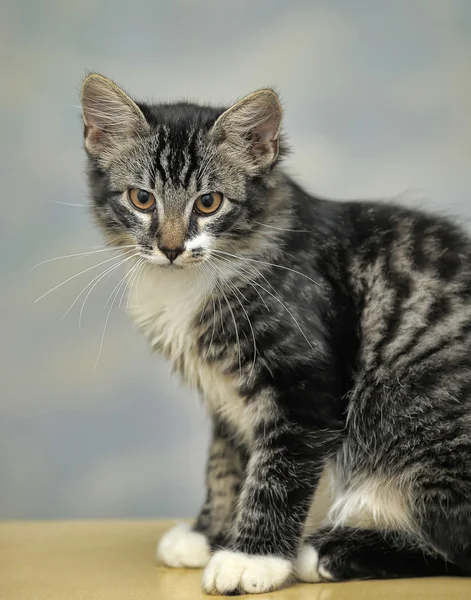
(378, 103)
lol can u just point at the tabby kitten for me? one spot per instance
(329, 341)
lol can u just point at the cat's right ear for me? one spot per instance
(110, 117)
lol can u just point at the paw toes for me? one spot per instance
(324, 572)
(183, 547)
(309, 567)
(231, 573)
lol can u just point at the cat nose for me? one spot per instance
(171, 253)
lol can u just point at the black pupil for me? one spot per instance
(143, 196)
(207, 200)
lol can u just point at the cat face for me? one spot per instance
(180, 182)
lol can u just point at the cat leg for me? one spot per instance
(444, 513)
(281, 476)
(187, 546)
(225, 469)
(343, 553)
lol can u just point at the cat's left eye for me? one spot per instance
(142, 199)
(206, 204)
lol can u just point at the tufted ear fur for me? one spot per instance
(110, 117)
(249, 131)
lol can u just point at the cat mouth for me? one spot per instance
(161, 262)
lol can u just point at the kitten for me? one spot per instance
(329, 341)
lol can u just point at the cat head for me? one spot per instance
(179, 181)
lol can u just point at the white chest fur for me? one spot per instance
(165, 304)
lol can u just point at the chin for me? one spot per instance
(165, 265)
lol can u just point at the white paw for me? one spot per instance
(307, 567)
(183, 547)
(244, 573)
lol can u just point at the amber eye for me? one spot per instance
(208, 203)
(141, 199)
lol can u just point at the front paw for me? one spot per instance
(183, 547)
(235, 572)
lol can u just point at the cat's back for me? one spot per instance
(410, 272)
(408, 240)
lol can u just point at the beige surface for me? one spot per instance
(114, 560)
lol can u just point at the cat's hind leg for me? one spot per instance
(343, 553)
(444, 513)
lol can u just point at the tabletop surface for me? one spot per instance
(114, 560)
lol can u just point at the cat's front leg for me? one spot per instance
(281, 477)
(191, 546)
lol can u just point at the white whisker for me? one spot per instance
(260, 274)
(117, 288)
(117, 249)
(198, 272)
(236, 294)
(97, 278)
(142, 266)
(118, 285)
(234, 321)
(67, 203)
(244, 258)
(276, 297)
(111, 269)
(281, 229)
(208, 351)
(74, 276)
(148, 265)
(243, 273)
(131, 280)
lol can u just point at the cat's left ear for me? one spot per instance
(248, 133)
(110, 117)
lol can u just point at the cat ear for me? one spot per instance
(109, 115)
(249, 131)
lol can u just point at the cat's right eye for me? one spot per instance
(142, 199)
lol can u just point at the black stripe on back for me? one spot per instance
(401, 284)
(440, 346)
(439, 309)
